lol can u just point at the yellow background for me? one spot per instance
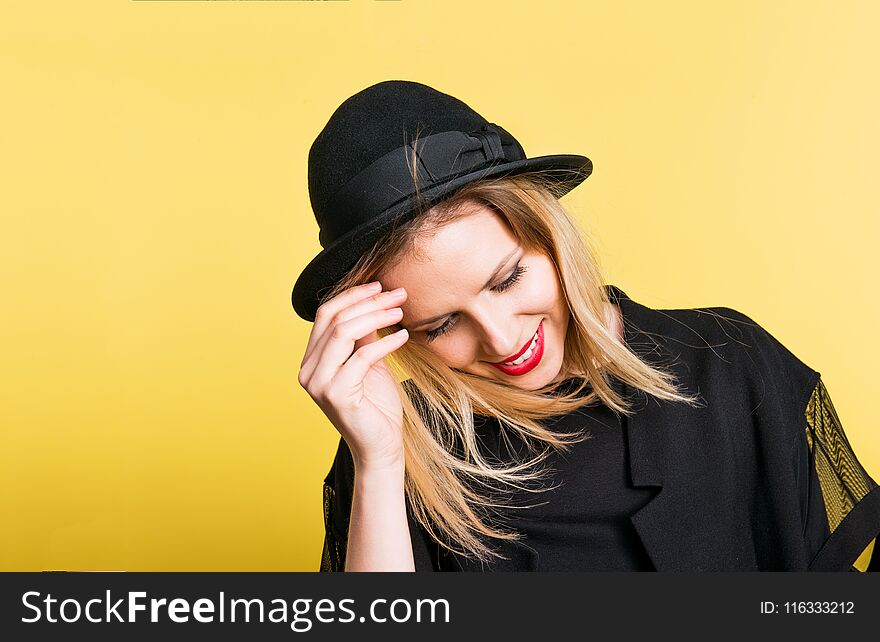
(155, 215)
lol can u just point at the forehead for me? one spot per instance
(476, 241)
(454, 259)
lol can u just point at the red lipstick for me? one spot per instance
(533, 360)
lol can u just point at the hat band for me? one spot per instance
(389, 180)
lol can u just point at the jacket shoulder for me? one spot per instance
(723, 337)
(769, 353)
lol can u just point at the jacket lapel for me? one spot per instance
(672, 543)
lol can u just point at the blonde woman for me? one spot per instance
(500, 407)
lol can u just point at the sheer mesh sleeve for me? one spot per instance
(844, 517)
(338, 492)
(333, 556)
(338, 496)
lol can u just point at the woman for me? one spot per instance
(539, 419)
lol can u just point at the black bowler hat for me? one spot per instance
(360, 180)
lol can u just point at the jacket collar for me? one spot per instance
(671, 542)
(646, 464)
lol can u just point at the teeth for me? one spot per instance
(528, 353)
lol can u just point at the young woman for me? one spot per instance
(502, 408)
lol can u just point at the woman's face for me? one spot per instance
(476, 298)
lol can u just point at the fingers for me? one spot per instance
(341, 340)
(329, 309)
(358, 365)
(360, 303)
(355, 307)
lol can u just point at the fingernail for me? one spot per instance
(375, 285)
(397, 292)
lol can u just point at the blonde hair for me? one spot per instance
(444, 466)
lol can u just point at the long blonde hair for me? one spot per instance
(444, 466)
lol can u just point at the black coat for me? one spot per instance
(761, 478)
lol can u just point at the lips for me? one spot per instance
(527, 364)
(521, 351)
(530, 344)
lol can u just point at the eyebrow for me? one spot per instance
(498, 269)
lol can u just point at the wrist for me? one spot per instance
(391, 468)
(382, 461)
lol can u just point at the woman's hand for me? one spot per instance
(344, 372)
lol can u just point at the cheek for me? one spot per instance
(455, 354)
(539, 294)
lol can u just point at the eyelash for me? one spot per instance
(501, 287)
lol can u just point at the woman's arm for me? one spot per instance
(378, 535)
(339, 485)
(843, 514)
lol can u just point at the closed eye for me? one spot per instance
(518, 271)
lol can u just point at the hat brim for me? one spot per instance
(566, 171)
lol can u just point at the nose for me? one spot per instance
(499, 336)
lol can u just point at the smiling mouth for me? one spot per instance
(524, 354)
(528, 360)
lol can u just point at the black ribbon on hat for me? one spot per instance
(388, 180)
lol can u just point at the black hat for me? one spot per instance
(361, 183)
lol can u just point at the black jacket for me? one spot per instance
(761, 478)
